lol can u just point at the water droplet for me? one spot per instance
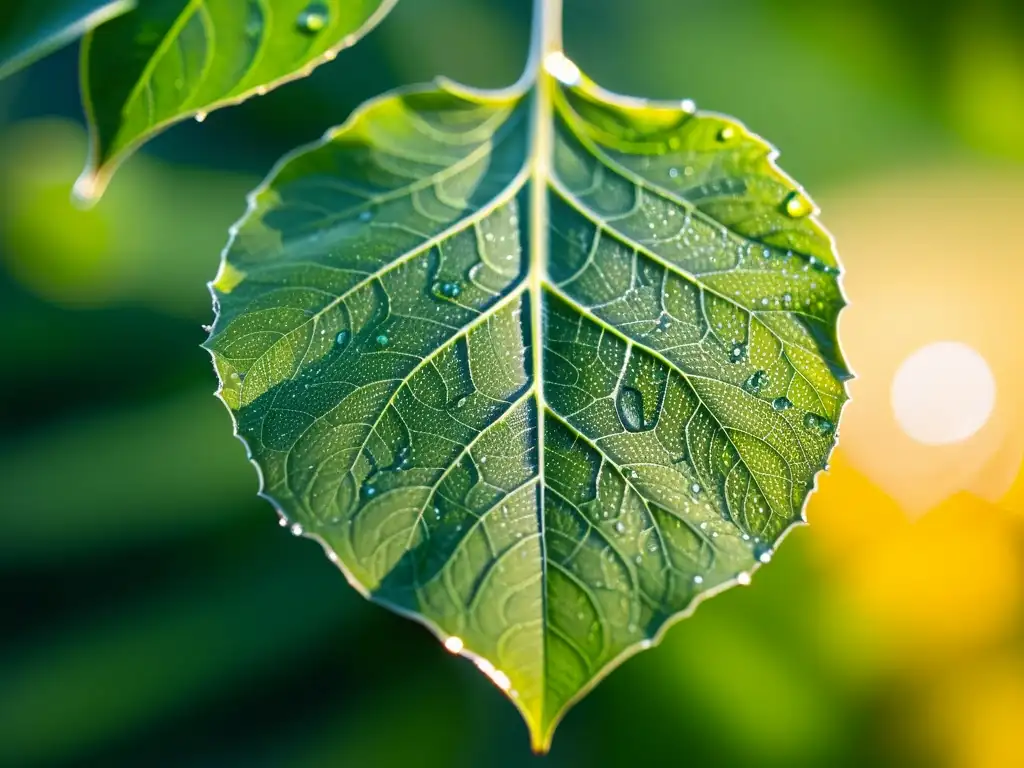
(782, 403)
(695, 487)
(630, 404)
(689, 106)
(816, 423)
(758, 380)
(296, 530)
(797, 206)
(743, 578)
(370, 491)
(737, 352)
(342, 338)
(200, 116)
(313, 18)
(365, 215)
(763, 553)
(461, 402)
(620, 527)
(448, 290)
(726, 133)
(383, 340)
(283, 522)
(454, 644)
(698, 579)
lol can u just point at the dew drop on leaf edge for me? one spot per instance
(796, 205)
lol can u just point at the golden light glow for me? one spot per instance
(943, 393)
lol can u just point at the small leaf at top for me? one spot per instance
(30, 29)
(540, 368)
(174, 59)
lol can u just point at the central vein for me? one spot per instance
(547, 40)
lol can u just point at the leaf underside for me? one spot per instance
(541, 396)
(30, 29)
(173, 59)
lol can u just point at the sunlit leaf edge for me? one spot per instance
(98, 171)
(540, 736)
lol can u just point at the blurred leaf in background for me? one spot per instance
(29, 29)
(160, 616)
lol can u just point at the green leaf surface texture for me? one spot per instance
(30, 29)
(174, 59)
(540, 368)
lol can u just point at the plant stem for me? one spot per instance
(546, 36)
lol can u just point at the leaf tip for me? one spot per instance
(541, 736)
(88, 189)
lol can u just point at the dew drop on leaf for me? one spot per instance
(313, 18)
(630, 405)
(797, 206)
(726, 133)
(758, 380)
(342, 338)
(782, 403)
(383, 340)
(816, 423)
(448, 290)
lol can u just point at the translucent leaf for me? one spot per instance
(540, 368)
(174, 59)
(30, 29)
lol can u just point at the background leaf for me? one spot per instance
(173, 59)
(541, 370)
(30, 29)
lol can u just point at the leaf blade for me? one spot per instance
(175, 59)
(565, 456)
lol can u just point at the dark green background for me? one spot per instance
(155, 614)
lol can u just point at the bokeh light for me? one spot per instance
(943, 393)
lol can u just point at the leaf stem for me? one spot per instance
(546, 37)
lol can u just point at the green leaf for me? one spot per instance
(175, 59)
(541, 368)
(30, 29)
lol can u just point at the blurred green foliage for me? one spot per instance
(160, 616)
